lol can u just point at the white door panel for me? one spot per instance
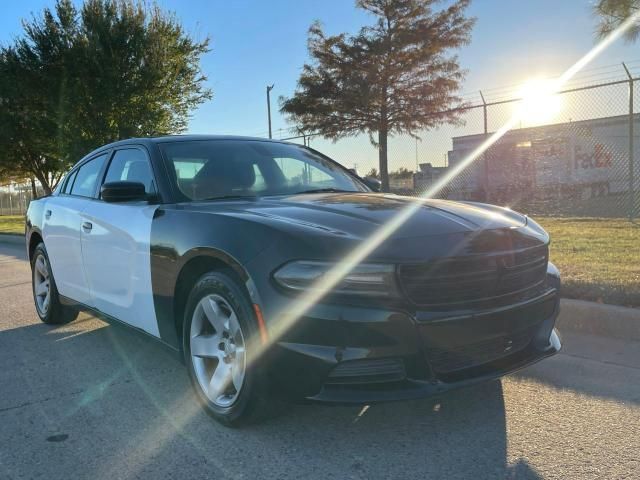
(61, 235)
(118, 263)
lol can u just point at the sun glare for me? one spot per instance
(540, 103)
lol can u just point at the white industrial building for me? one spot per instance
(584, 158)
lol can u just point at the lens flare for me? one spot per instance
(540, 102)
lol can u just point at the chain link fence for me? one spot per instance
(15, 198)
(575, 154)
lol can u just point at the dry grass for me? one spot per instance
(12, 224)
(599, 258)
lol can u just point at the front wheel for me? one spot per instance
(45, 293)
(219, 332)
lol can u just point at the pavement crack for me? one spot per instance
(37, 402)
(15, 284)
(121, 381)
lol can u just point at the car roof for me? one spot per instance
(176, 138)
(187, 138)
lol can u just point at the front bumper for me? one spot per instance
(438, 351)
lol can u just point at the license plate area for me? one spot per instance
(453, 345)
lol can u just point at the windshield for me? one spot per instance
(211, 169)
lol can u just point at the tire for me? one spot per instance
(47, 300)
(219, 334)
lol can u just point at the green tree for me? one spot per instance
(80, 78)
(402, 172)
(34, 99)
(612, 13)
(373, 173)
(396, 76)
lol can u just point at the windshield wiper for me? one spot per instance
(323, 190)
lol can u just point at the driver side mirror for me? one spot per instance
(113, 192)
(373, 183)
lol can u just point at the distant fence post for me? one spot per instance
(632, 194)
(485, 160)
(10, 201)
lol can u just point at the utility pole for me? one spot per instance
(269, 88)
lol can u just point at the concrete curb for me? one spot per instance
(12, 238)
(599, 319)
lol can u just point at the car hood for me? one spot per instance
(329, 224)
(358, 214)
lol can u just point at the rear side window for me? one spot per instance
(69, 183)
(86, 179)
(131, 165)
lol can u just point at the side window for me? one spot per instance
(86, 179)
(187, 168)
(131, 165)
(69, 182)
(260, 183)
(298, 172)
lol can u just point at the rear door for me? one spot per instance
(115, 245)
(62, 229)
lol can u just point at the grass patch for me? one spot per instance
(599, 259)
(12, 224)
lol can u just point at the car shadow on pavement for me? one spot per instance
(12, 251)
(594, 378)
(93, 400)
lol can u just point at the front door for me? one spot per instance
(116, 246)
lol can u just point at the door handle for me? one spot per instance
(47, 214)
(87, 226)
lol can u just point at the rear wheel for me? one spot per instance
(45, 293)
(219, 333)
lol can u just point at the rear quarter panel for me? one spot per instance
(34, 221)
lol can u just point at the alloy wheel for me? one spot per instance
(41, 284)
(217, 350)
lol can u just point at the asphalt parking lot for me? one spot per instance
(90, 400)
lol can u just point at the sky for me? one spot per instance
(258, 42)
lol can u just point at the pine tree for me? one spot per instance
(396, 76)
(613, 12)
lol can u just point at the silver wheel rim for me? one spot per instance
(217, 350)
(41, 284)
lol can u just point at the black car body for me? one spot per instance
(470, 293)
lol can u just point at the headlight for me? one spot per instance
(368, 279)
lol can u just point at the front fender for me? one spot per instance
(180, 238)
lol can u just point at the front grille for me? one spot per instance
(475, 278)
(368, 371)
(444, 360)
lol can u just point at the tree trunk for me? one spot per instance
(382, 156)
(44, 181)
(34, 190)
